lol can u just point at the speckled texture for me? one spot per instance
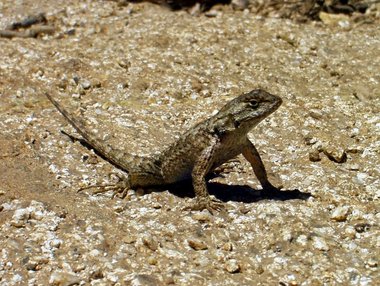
(142, 75)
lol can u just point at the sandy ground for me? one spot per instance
(140, 75)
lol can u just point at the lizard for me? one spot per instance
(196, 152)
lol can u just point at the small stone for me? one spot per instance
(232, 266)
(309, 140)
(124, 63)
(20, 217)
(197, 244)
(361, 178)
(362, 227)
(62, 84)
(63, 278)
(244, 209)
(205, 93)
(259, 269)
(118, 209)
(320, 244)
(56, 243)
(212, 13)
(314, 156)
(354, 149)
(90, 159)
(316, 114)
(150, 242)
(350, 232)
(340, 213)
(203, 216)
(196, 85)
(32, 265)
(337, 155)
(363, 93)
(228, 246)
(96, 83)
(37, 214)
(86, 84)
(76, 79)
(302, 240)
(372, 262)
(152, 260)
(353, 167)
(129, 239)
(96, 273)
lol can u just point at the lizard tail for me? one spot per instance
(119, 159)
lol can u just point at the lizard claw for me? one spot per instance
(121, 187)
(115, 188)
(211, 204)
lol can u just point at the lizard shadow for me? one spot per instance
(237, 193)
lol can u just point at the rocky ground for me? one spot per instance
(141, 74)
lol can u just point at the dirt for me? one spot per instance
(140, 75)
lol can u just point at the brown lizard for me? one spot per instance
(198, 151)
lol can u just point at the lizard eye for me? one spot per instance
(253, 103)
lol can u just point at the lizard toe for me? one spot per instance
(211, 204)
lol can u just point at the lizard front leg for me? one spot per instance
(201, 167)
(252, 155)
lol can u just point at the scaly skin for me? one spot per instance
(198, 151)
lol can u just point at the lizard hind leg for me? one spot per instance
(120, 188)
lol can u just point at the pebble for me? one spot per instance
(314, 156)
(212, 13)
(320, 244)
(337, 155)
(86, 84)
(232, 266)
(203, 216)
(62, 278)
(316, 114)
(350, 232)
(20, 217)
(228, 246)
(353, 167)
(197, 244)
(362, 227)
(124, 63)
(152, 260)
(361, 178)
(340, 213)
(150, 242)
(372, 262)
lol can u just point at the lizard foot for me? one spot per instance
(211, 204)
(119, 188)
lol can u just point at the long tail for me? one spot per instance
(119, 159)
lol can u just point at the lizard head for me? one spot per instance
(247, 110)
